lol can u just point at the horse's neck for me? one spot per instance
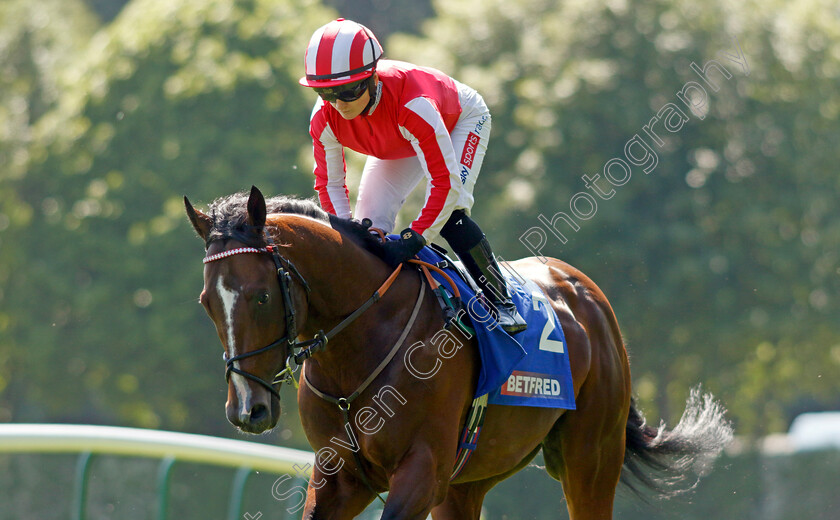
(342, 277)
(337, 270)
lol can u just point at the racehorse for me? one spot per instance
(286, 269)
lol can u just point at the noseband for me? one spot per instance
(310, 347)
(285, 268)
(284, 278)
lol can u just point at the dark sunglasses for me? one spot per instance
(344, 93)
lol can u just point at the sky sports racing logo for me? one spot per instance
(470, 147)
(530, 384)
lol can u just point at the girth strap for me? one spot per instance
(469, 438)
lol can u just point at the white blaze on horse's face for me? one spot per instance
(229, 298)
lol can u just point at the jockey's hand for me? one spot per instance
(398, 251)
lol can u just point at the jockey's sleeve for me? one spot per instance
(422, 125)
(330, 168)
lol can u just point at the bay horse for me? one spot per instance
(286, 269)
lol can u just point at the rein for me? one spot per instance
(284, 278)
(285, 269)
(343, 403)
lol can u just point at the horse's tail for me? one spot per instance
(671, 462)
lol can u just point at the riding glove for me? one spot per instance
(398, 251)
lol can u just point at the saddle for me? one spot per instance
(457, 265)
(451, 306)
(529, 369)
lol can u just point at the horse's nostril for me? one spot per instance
(258, 413)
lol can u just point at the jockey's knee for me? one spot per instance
(461, 231)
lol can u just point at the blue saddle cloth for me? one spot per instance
(530, 368)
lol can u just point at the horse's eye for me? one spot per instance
(263, 299)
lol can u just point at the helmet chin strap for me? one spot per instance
(374, 96)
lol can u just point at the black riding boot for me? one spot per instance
(485, 270)
(471, 246)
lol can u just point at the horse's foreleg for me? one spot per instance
(335, 497)
(417, 485)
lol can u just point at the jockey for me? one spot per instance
(411, 122)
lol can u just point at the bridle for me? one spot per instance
(284, 269)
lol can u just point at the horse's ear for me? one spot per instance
(256, 208)
(201, 222)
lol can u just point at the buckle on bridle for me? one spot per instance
(343, 404)
(287, 375)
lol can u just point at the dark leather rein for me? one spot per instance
(285, 269)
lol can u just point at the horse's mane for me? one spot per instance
(230, 220)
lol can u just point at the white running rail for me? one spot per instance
(136, 442)
(170, 447)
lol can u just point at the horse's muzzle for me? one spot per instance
(253, 415)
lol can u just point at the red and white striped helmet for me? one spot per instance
(340, 52)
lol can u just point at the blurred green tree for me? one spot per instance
(36, 42)
(722, 260)
(197, 98)
(107, 10)
(385, 17)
